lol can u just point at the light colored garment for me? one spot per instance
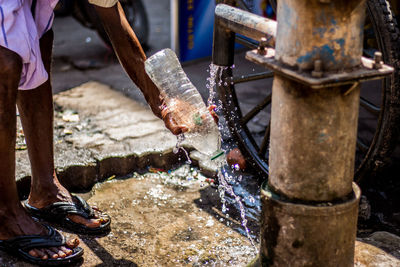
(103, 3)
(20, 32)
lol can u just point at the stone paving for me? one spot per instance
(100, 133)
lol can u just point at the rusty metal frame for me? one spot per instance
(256, 27)
(366, 71)
(246, 23)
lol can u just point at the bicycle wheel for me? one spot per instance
(378, 121)
(373, 154)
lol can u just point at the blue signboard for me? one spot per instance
(196, 21)
(194, 24)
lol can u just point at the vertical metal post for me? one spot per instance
(223, 41)
(310, 204)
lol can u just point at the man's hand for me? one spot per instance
(171, 123)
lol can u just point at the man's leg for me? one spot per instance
(15, 221)
(36, 111)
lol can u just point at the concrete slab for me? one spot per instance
(99, 133)
(175, 219)
(379, 249)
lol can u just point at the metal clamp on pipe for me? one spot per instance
(318, 77)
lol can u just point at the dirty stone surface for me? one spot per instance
(379, 249)
(99, 133)
(162, 219)
(175, 219)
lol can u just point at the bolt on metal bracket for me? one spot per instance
(377, 60)
(262, 47)
(370, 69)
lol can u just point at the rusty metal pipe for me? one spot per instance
(245, 23)
(296, 234)
(313, 30)
(310, 205)
(309, 213)
(313, 133)
(313, 140)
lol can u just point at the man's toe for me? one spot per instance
(66, 251)
(34, 253)
(61, 254)
(51, 254)
(72, 243)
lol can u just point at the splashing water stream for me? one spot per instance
(211, 81)
(180, 138)
(224, 178)
(225, 187)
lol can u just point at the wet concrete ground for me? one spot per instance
(161, 220)
(175, 219)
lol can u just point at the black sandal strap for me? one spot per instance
(25, 243)
(58, 213)
(20, 247)
(61, 210)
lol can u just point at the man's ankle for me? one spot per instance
(43, 195)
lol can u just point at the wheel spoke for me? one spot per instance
(265, 141)
(369, 106)
(251, 77)
(257, 109)
(362, 146)
(248, 43)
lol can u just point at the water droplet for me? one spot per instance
(236, 167)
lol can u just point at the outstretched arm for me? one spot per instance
(132, 57)
(129, 52)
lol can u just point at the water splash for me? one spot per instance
(180, 138)
(211, 80)
(216, 73)
(224, 187)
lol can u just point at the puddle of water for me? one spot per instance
(164, 218)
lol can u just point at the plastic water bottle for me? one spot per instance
(184, 101)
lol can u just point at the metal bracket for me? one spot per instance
(366, 71)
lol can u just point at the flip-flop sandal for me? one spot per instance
(58, 213)
(21, 245)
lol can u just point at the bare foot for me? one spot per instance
(60, 194)
(17, 222)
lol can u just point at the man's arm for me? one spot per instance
(132, 58)
(129, 52)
